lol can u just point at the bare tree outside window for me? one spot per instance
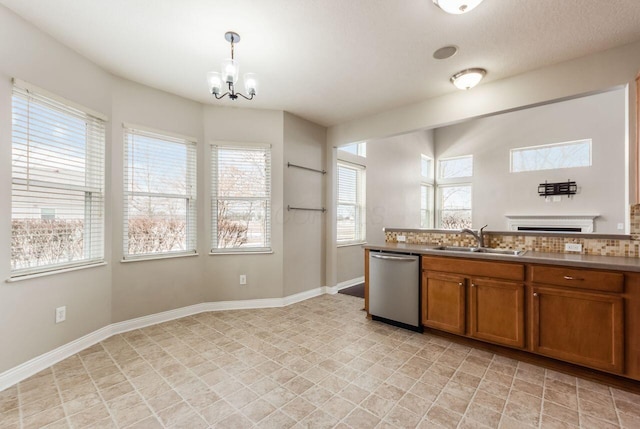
(552, 156)
(160, 194)
(241, 185)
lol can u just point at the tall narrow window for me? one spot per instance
(241, 198)
(426, 192)
(426, 205)
(455, 206)
(159, 194)
(57, 193)
(454, 192)
(351, 203)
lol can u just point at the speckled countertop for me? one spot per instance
(618, 263)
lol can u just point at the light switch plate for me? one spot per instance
(402, 238)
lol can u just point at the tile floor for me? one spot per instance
(316, 364)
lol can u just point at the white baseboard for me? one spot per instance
(39, 363)
(348, 283)
(44, 361)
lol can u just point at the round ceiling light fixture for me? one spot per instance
(445, 52)
(457, 7)
(467, 79)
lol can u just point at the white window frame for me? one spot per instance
(427, 205)
(360, 149)
(429, 177)
(439, 203)
(453, 158)
(547, 146)
(359, 205)
(93, 186)
(189, 196)
(266, 149)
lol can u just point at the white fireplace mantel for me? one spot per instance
(583, 221)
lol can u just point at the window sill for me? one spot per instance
(156, 257)
(52, 272)
(243, 252)
(359, 243)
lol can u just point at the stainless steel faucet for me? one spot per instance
(477, 235)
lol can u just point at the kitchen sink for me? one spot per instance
(481, 250)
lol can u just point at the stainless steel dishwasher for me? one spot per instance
(394, 289)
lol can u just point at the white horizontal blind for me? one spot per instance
(241, 198)
(350, 206)
(57, 194)
(159, 194)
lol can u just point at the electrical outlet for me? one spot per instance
(621, 226)
(557, 198)
(61, 314)
(243, 279)
(573, 247)
(402, 238)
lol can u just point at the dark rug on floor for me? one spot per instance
(357, 290)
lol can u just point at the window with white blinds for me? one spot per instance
(57, 192)
(159, 194)
(350, 221)
(241, 198)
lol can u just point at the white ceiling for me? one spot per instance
(329, 61)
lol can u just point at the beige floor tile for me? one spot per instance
(318, 363)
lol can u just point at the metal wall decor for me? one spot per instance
(559, 188)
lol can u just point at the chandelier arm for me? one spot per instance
(222, 96)
(244, 96)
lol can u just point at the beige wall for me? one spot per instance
(264, 271)
(497, 192)
(146, 287)
(304, 231)
(27, 307)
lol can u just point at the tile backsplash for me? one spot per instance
(539, 242)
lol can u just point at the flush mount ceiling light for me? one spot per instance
(467, 79)
(457, 7)
(229, 75)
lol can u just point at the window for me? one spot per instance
(359, 149)
(351, 204)
(454, 192)
(455, 167)
(426, 167)
(551, 156)
(159, 194)
(455, 206)
(241, 198)
(426, 205)
(57, 192)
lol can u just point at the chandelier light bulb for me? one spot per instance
(215, 82)
(251, 83)
(230, 70)
(457, 7)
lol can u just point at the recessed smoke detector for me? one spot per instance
(457, 7)
(445, 52)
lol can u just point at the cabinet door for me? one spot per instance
(497, 312)
(581, 327)
(443, 301)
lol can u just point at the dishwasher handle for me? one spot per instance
(393, 258)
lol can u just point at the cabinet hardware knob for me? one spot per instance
(460, 284)
(535, 294)
(572, 278)
(473, 285)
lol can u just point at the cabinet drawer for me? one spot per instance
(472, 267)
(578, 278)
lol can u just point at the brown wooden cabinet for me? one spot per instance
(443, 301)
(474, 298)
(576, 326)
(496, 312)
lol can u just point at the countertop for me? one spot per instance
(618, 263)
